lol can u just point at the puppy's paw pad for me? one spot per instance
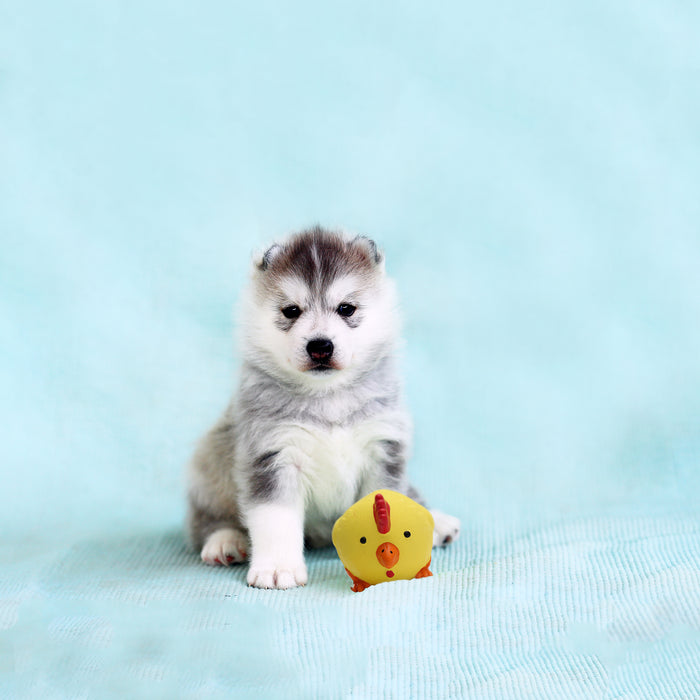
(277, 577)
(225, 547)
(446, 528)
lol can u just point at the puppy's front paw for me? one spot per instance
(224, 547)
(446, 528)
(279, 575)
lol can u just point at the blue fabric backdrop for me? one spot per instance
(532, 172)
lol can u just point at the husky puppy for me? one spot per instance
(318, 419)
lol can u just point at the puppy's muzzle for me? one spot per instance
(320, 350)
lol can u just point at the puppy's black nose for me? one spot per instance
(320, 349)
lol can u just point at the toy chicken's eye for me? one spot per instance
(363, 540)
(406, 534)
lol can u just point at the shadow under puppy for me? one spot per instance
(318, 420)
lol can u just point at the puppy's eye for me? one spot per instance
(291, 311)
(346, 310)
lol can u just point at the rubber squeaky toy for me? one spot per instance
(385, 536)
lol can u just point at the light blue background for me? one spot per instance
(532, 172)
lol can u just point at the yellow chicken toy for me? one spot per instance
(385, 536)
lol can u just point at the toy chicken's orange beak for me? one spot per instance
(387, 554)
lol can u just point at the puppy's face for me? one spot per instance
(322, 310)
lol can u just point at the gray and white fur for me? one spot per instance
(318, 420)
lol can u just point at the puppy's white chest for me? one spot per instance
(332, 463)
(337, 460)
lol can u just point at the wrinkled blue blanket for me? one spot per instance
(598, 607)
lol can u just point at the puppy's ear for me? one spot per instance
(376, 255)
(270, 254)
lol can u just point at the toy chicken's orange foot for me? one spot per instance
(425, 571)
(359, 584)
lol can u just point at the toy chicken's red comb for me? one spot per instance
(381, 514)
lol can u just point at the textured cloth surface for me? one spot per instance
(589, 608)
(531, 171)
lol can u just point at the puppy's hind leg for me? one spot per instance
(225, 546)
(446, 528)
(222, 541)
